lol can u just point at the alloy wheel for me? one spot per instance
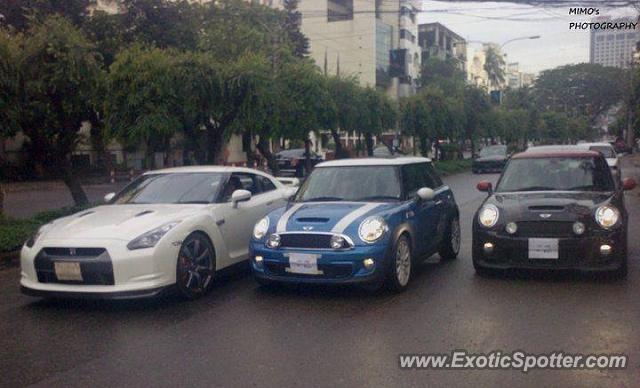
(403, 262)
(196, 265)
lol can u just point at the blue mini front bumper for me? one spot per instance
(337, 267)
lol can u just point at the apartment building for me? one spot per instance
(613, 47)
(437, 41)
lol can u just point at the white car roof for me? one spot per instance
(210, 168)
(587, 145)
(373, 162)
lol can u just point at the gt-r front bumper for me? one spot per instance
(337, 266)
(108, 270)
(574, 253)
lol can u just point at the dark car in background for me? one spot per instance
(291, 162)
(553, 210)
(491, 159)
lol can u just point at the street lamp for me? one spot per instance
(520, 38)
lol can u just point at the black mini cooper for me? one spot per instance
(554, 210)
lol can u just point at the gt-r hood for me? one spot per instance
(558, 205)
(124, 222)
(326, 216)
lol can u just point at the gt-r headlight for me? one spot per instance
(151, 238)
(607, 216)
(261, 228)
(372, 229)
(488, 215)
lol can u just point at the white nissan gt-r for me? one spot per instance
(169, 227)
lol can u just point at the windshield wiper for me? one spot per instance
(535, 188)
(376, 197)
(318, 199)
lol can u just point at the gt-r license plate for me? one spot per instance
(303, 263)
(67, 271)
(543, 248)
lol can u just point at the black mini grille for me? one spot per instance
(307, 240)
(329, 271)
(545, 229)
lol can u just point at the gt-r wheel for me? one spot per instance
(399, 270)
(196, 266)
(450, 245)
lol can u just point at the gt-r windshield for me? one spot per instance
(556, 174)
(172, 188)
(357, 183)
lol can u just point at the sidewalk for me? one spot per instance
(25, 199)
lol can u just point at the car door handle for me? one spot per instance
(220, 221)
(269, 203)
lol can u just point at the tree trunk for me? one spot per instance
(307, 157)
(73, 183)
(1, 200)
(263, 147)
(473, 147)
(247, 136)
(215, 142)
(336, 139)
(369, 143)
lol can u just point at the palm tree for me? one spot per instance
(494, 66)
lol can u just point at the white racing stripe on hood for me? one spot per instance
(354, 215)
(282, 222)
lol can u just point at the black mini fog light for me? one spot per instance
(605, 250)
(488, 247)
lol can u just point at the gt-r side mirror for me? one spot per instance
(628, 184)
(240, 196)
(425, 194)
(485, 186)
(109, 197)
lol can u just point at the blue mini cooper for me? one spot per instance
(364, 221)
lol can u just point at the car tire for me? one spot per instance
(400, 264)
(450, 245)
(195, 268)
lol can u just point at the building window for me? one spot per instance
(383, 47)
(406, 34)
(339, 10)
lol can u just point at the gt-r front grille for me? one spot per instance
(309, 241)
(95, 265)
(545, 229)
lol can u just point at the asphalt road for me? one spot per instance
(242, 335)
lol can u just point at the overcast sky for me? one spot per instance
(499, 22)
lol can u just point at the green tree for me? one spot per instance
(18, 13)
(60, 72)
(142, 105)
(434, 70)
(584, 89)
(494, 66)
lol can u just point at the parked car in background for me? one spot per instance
(382, 151)
(169, 228)
(607, 151)
(491, 159)
(558, 209)
(292, 162)
(358, 221)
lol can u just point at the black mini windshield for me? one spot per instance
(556, 174)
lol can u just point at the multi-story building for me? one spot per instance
(374, 40)
(437, 41)
(613, 47)
(476, 73)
